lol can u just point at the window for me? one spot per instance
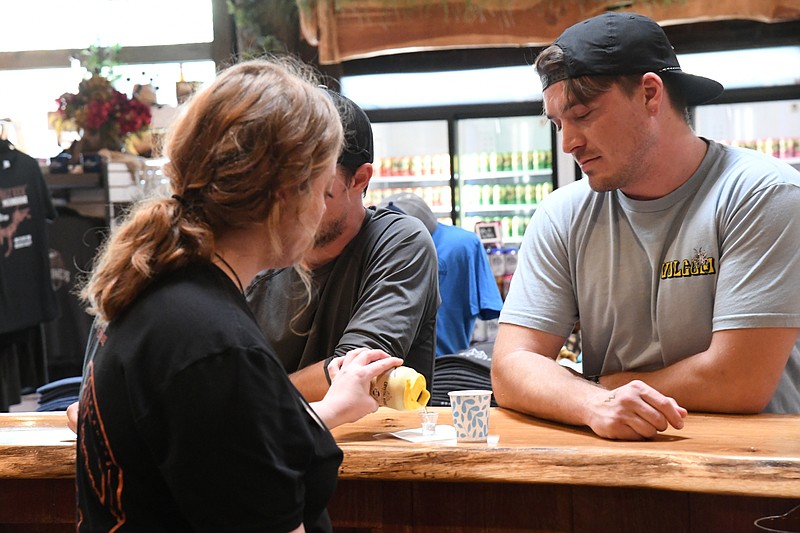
(735, 69)
(160, 40)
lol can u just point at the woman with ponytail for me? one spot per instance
(187, 421)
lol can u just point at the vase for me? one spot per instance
(91, 142)
(96, 140)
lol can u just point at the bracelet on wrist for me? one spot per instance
(325, 368)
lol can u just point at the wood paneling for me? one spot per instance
(352, 29)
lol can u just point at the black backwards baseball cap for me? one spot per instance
(625, 43)
(357, 148)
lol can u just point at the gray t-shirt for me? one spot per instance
(381, 292)
(650, 281)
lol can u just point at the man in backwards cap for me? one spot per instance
(677, 254)
(374, 279)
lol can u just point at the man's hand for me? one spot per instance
(634, 411)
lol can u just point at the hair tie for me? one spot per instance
(181, 200)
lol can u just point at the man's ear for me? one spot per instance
(654, 91)
(362, 176)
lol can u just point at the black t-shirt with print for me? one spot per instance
(26, 293)
(188, 422)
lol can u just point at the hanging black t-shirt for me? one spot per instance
(188, 422)
(74, 240)
(26, 294)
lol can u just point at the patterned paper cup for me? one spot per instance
(471, 414)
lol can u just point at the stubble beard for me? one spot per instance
(630, 173)
(330, 232)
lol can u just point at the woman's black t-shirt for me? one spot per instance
(188, 422)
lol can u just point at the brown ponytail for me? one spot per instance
(261, 128)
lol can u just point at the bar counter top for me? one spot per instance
(718, 474)
(755, 455)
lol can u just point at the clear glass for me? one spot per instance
(760, 67)
(422, 89)
(27, 97)
(428, 420)
(769, 127)
(56, 24)
(748, 68)
(505, 168)
(412, 157)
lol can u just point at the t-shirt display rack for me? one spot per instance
(86, 205)
(85, 213)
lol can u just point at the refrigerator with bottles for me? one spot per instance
(413, 156)
(468, 169)
(771, 127)
(504, 169)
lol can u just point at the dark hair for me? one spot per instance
(584, 89)
(261, 129)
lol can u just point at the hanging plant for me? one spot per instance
(265, 27)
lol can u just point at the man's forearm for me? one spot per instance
(694, 386)
(539, 386)
(738, 373)
(311, 382)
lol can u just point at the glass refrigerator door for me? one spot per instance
(769, 127)
(504, 169)
(413, 157)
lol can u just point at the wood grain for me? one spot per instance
(39, 451)
(718, 474)
(718, 454)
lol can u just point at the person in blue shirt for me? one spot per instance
(466, 284)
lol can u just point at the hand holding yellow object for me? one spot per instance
(401, 388)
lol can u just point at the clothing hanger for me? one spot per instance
(5, 145)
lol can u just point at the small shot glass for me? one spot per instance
(428, 422)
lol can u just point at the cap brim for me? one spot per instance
(697, 89)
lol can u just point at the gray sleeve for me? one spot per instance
(758, 284)
(541, 294)
(399, 293)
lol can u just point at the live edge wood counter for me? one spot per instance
(719, 473)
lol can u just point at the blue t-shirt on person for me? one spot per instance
(467, 287)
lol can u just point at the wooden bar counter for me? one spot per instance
(719, 473)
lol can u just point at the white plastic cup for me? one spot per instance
(471, 414)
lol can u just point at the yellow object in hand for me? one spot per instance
(401, 388)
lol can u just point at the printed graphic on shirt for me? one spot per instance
(104, 473)
(700, 264)
(59, 273)
(9, 225)
(13, 211)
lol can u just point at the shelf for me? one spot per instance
(431, 180)
(498, 210)
(80, 180)
(509, 177)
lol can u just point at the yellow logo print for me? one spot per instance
(699, 265)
